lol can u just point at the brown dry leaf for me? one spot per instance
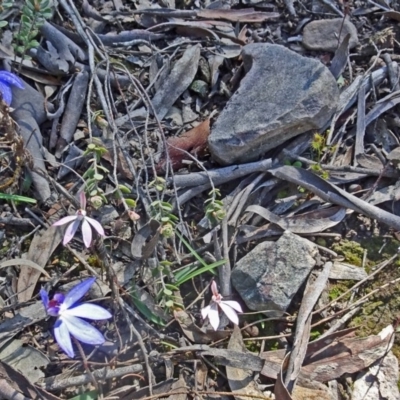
(273, 359)
(178, 80)
(280, 390)
(314, 288)
(122, 165)
(309, 222)
(244, 15)
(181, 389)
(40, 250)
(311, 390)
(333, 194)
(347, 356)
(201, 374)
(392, 14)
(193, 142)
(145, 240)
(241, 381)
(14, 385)
(332, 356)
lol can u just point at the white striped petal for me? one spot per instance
(63, 338)
(205, 311)
(229, 312)
(83, 331)
(86, 233)
(70, 231)
(96, 225)
(233, 304)
(213, 316)
(89, 311)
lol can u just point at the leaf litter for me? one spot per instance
(340, 187)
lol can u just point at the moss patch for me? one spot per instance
(352, 251)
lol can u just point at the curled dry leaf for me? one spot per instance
(40, 250)
(21, 261)
(193, 142)
(244, 15)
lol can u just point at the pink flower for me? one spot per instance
(76, 221)
(228, 307)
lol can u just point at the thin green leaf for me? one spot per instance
(15, 197)
(191, 249)
(143, 309)
(91, 395)
(197, 272)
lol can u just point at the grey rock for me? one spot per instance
(323, 34)
(282, 95)
(270, 275)
(379, 381)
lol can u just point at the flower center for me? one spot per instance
(217, 298)
(81, 214)
(53, 308)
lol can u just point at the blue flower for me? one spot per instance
(69, 315)
(8, 79)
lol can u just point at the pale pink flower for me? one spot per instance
(76, 220)
(228, 307)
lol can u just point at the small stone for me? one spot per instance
(323, 34)
(270, 275)
(200, 87)
(282, 95)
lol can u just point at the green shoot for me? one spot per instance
(95, 174)
(214, 209)
(144, 310)
(34, 13)
(17, 198)
(161, 211)
(4, 7)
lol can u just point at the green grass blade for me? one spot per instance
(197, 272)
(185, 274)
(191, 249)
(16, 197)
(144, 310)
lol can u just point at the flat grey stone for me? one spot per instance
(282, 95)
(379, 381)
(270, 275)
(323, 34)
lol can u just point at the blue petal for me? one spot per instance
(89, 311)
(83, 331)
(77, 292)
(45, 298)
(59, 298)
(11, 79)
(63, 338)
(54, 311)
(6, 92)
